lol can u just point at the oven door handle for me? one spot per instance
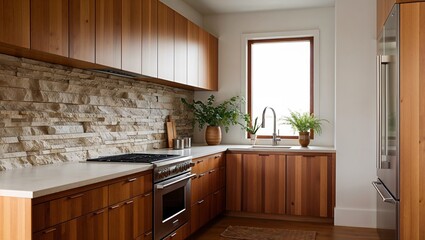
(162, 186)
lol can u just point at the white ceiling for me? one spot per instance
(209, 7)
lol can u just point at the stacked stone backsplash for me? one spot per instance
(51, 113)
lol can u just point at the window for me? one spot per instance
(280, 75)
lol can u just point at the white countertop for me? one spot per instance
(39, 181)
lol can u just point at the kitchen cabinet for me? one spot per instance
(412, 128)
(49, 26)
(108, 33)
(82, 32)
(180, 48)
(84, 213)
(203, 58)
(180, 234)
(207, 189)
(165, 42)
(281, 184)
(192, 54)
(15, 22)
(132, 36)
(212, 63)
(310, 185)
(150, 38)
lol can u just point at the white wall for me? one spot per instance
(355, 91)
(230, 27)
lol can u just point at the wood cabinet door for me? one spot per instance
(200, 214)
(274, 183)
(218, 202)
(233, 182)
(133, 186)
(180, 49)
(96, 225)
(71, 230)
(49, 26)
(192, 54)
(213, 63)
(126, 219)
(310, 185)
(252, 183)
(203, 59)
(82, 32)
(150, 38)
(108, 32)
(132, 36)
(165, 42)
(15, 22)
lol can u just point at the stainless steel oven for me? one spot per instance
(172, 204)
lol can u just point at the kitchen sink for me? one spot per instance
(271, 146)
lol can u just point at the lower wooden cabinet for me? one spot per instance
(180, 234)
(87, 215)
(200, 214)
(281, 184)
(218, 202)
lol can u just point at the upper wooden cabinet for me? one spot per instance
(132, 36)
(108, 32)
(49, 26)
(180, 48)
(15, 22)
(203, 58)
(150, 38)
(192, 54)
(82, 32)
(212, 63)
(165, 42)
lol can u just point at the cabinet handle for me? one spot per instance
(49, 231)
(201, 175)
(131, 179)
(217, 156)
(147, 194)
(173, 234)
(113, 207)
(263, 155)
(99, 212)
(200, 202)
(199, 161)
(211, 171)
(194, 177)
(129, 202)
(76, 196)
(175, 221)
(148, 233)
(216, 192)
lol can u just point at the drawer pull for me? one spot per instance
(76, 196)
(217, 156)
(201, 175)
(131, 179)
(200, 202)
(49, 231)
(147, 194)
(173, 234)
(99, 212)
(175, 221)
(148, 233)
(116, 206)
(216, 193)
(194, 177)
(211, 171)
(200, 161)
(263, 155)
(129, 202)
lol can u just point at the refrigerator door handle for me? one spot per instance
(383, 192)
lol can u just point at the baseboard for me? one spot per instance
(355, 217)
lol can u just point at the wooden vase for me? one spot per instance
(213, 135)
(304, 139)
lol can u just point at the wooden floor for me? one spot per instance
(325, 231)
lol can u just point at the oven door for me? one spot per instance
(172, 204)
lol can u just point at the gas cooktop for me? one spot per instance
(135, 158)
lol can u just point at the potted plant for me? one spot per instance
(304, 123)
(250, 128)
(215, 116)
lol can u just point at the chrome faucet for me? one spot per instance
(263, 125)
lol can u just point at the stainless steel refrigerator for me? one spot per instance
(387, 183)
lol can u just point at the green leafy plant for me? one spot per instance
(224, 114)
(304, 122)
(248, 126)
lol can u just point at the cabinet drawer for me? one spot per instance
(63, 209)
(201, 165)
(129, 188)
(180, 234)
(215, 161)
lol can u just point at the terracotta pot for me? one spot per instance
(213, 135)
(304, 139)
